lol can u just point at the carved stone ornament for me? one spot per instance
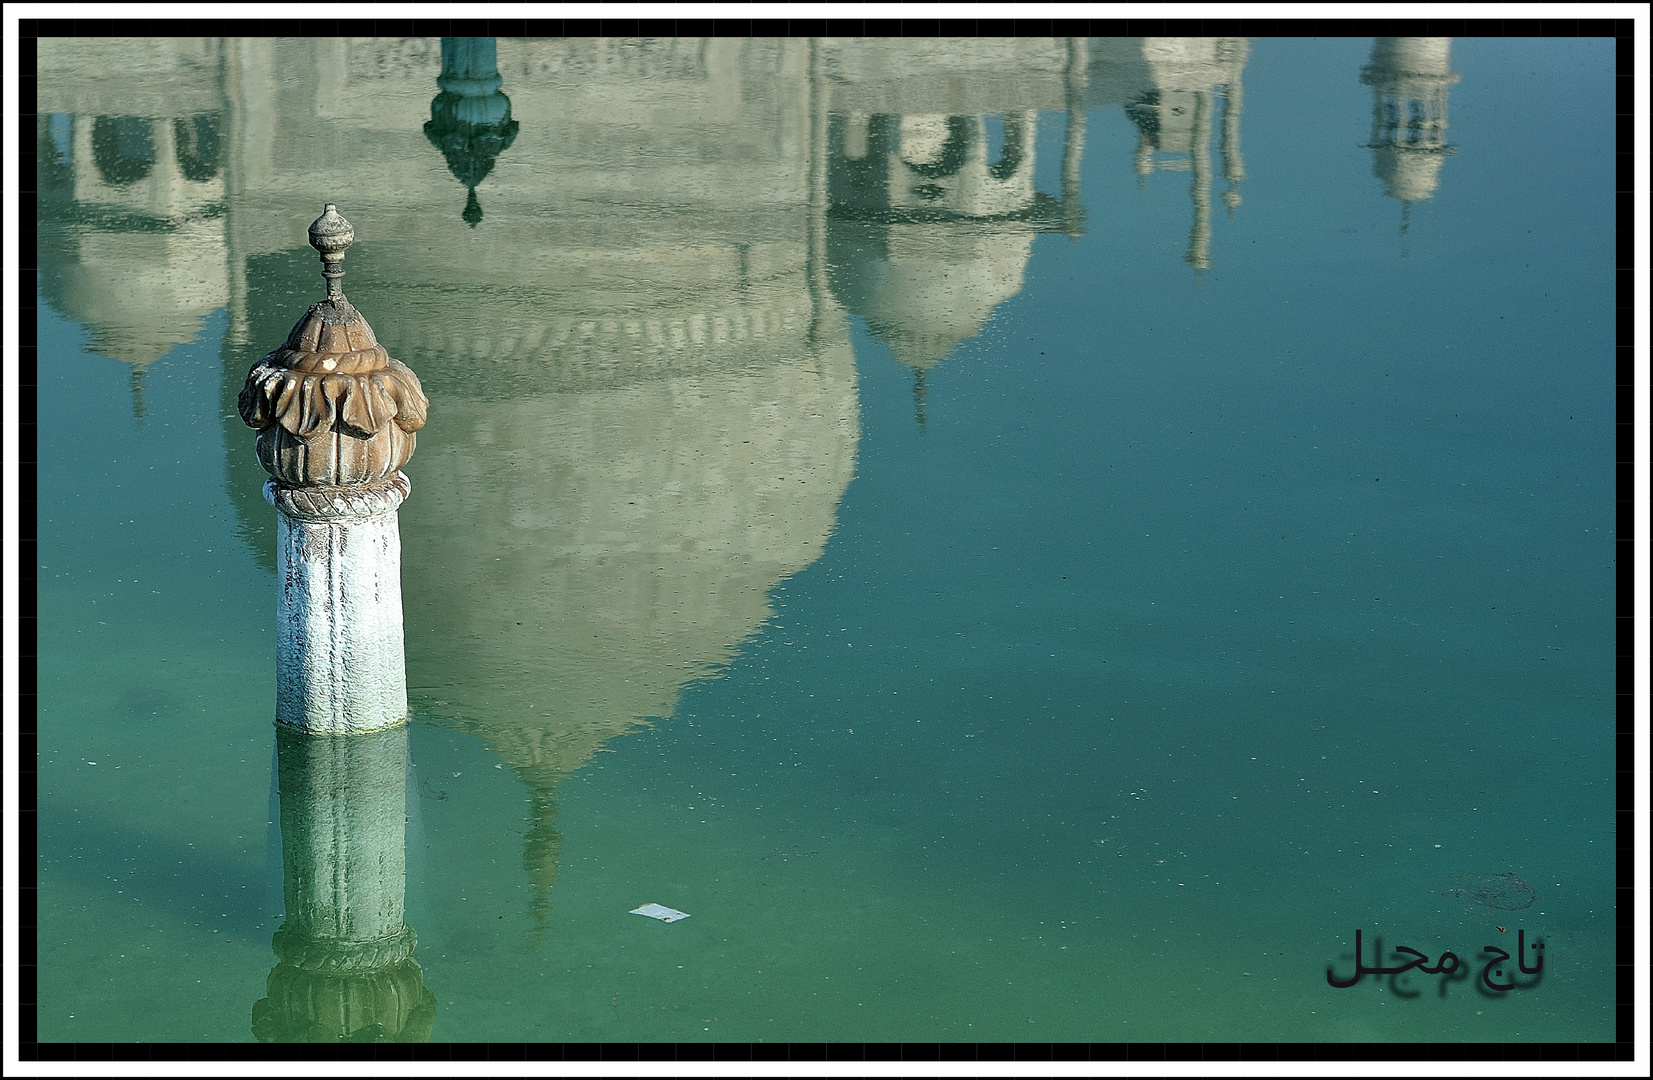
(330, 406)
(322, 954)
(327, 502)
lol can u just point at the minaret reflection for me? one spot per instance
(931, 207)
(1175, 114)
(1409, 78)
(470, 120)
(345, 970)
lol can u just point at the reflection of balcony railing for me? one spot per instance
(1045, 213)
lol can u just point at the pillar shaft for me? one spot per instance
(339, 646)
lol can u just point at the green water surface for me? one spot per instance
(987, 625)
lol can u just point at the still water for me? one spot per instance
(1020, 539)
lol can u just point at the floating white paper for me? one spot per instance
(661, 912)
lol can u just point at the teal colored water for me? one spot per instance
(984, 623)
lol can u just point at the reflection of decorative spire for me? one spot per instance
(1409, 79)
(470, 120)
(345, 970)
(918, 397)
(139, 409)
(541, 852)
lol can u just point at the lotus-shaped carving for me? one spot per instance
(331, 406)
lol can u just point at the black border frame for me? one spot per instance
(31, 1049)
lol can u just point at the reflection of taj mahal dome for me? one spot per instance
(621, 269)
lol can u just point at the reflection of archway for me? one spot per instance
(945, 162)
(123, 149)
(198, 145)
(1010, 153)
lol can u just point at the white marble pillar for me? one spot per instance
(339, 648)
(336, 418)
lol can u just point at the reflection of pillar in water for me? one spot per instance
(1409, 78)
(1075, 79)
(1199, 233)
(345, 970)
(1233, 164)
(1175, 117)
(470, 120)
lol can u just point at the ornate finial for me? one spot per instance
(331, 406)
(331, 234)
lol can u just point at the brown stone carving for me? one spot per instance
(330, 406)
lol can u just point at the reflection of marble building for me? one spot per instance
(1176, 114)
(1409, 78)
(345, 970)
(643, 397)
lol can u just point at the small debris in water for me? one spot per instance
(661, 912)
(777, 853)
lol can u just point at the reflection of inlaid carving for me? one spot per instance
(331, 406)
